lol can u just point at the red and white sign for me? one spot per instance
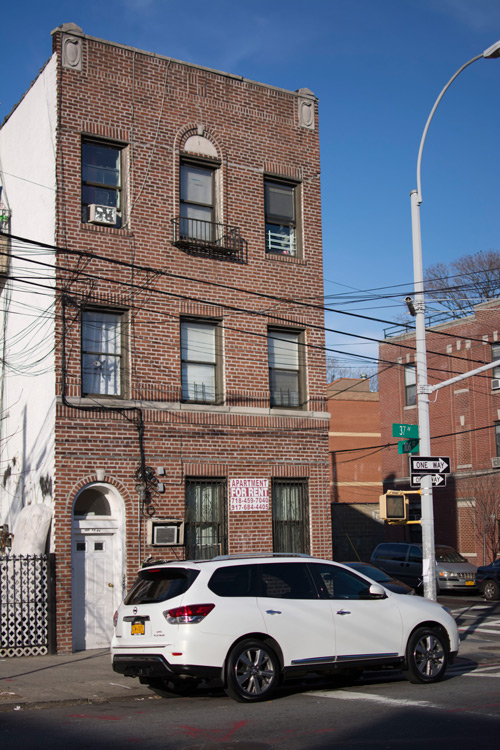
(249, 494)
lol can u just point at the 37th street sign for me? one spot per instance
(429, 465)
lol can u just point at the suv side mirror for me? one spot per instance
(377, 592)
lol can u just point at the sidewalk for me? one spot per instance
(87, 677)
(83, 677)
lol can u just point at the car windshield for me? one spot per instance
(370, 571)
(449, 555)
(159, 584)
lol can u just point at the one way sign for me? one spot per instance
(430, 465)
(437, 480)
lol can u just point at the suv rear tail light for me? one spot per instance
(115, 619)
(192, 613)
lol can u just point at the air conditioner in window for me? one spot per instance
(495, 462)
(495, 384)
(165, 532)
(102, 214)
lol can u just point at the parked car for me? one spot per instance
(404, 561)
(251, 621)
(380, 576)
(488, 580)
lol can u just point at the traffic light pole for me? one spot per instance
(427, 507)
(423, 388)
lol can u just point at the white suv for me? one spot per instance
(251, 621)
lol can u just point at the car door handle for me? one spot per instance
(273, 612)
(343, 612)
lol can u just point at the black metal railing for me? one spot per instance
(27, 605)
(209, 237)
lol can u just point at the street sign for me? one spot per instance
(429, 465)
(408, 446)
(438, 480)
(405, 430)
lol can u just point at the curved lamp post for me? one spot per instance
(428, 552)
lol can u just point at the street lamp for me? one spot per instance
(423, 388)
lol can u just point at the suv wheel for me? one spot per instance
(426, 656)
(490, 590)
(253, 672)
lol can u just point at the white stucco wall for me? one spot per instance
(27, 166)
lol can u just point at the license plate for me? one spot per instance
(469, 583)
(137, 628)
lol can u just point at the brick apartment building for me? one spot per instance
(465, 425)
(162, 389)
(356, 468)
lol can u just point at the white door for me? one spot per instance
(363, 626)
(301, 623)
(93, 590)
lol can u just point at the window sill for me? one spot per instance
(286, 259)
(409, 408)
(103, 228)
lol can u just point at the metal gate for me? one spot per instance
(27, 605)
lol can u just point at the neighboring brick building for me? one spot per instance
(167, 396)
(465, 425)
(356, 468)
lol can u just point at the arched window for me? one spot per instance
(91, 502)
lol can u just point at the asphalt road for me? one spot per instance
(381, 710)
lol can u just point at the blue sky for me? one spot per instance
(377, 67)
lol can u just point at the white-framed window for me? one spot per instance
(281, 204)
(497, 438)
(197, 201)
(200, 361)
(102, 182)
(410, 385)
(495, 354)
(286, 371)
(103, 352)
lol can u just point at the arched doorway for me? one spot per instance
(97, 564)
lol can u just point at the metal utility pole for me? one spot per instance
(423, 388)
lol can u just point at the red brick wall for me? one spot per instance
(150, 103)
(462, 420)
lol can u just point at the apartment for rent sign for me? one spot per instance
(249, 494)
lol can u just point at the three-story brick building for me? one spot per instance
(163, 373)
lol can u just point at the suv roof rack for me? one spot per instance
(260, 554)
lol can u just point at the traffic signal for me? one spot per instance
(394, 506)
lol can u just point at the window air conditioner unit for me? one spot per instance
(495, 462)
(495, 384)
(102, 214)
(165, 532)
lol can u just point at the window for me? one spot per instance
(410, 385)
(495, 354)
(199, 377)
(337, 583)
(101, 183)
(205, 529)
(103, 349)
(290, 504)
(286, 581)
(197, 209)
(160, 584)
(281, 209)
(285, 350)
(497, 438)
